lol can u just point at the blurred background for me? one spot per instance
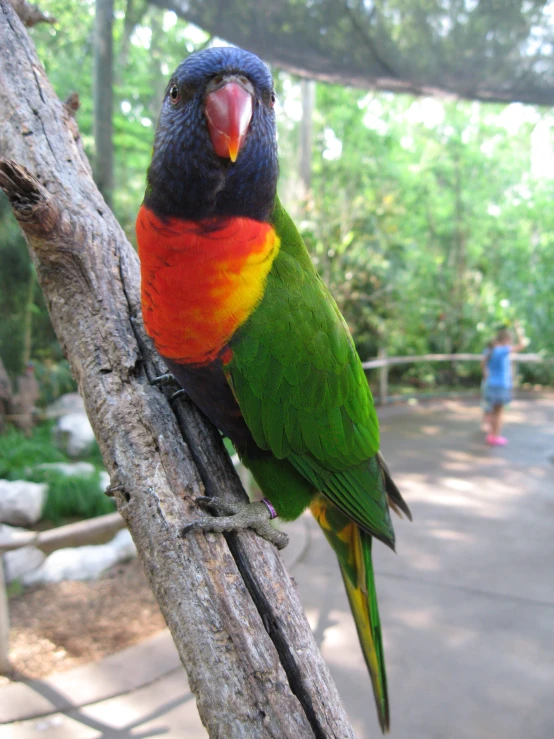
(405, 201)
(416, 154)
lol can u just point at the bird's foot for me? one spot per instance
(236, 517)
(111, 490)
(168, 380)
(165, 380)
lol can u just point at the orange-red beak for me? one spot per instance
(229, 112)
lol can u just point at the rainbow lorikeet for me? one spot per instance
(236, 308)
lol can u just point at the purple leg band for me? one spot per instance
(270, 508)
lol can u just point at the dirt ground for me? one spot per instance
(58, 626)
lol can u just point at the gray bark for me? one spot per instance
(229, 603)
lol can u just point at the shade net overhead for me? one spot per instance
(496, 50)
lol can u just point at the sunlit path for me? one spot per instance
(468, 603)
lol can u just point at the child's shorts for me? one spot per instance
(497, 396)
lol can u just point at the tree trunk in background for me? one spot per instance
(28, 320)
(459, 266)
(134, 11)
(6, 407)
(103, 98)
(306, 135)
(158, 79)
(228, 601)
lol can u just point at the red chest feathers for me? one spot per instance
(201, 281)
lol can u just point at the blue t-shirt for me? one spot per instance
(500, 372)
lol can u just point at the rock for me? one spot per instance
(20, 562)
(83, 563)
(68, 403)
(104, 480)
(68, 468)
(21, 502)
(77, 468)
(74, 434)
(125, 546)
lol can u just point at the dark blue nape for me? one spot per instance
(186, 179)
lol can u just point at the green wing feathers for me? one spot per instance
(353, 549)
(302, 390)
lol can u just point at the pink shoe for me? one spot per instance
(496, 440)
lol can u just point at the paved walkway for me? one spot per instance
(467, 604)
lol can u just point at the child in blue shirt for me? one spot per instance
(498, 388)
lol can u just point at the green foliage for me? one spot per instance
(14, 588)
(16, 274)
(53, 375)
(19, 454)
(69, 496)
(73, 496)
(429, 223)
(148, 45)
(428, 219)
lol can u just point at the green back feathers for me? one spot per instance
(302, 390)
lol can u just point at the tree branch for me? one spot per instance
(231, 608)
(30, 14)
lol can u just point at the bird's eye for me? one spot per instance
(174, 94)
(272, 99)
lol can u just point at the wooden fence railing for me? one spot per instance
(383, 362)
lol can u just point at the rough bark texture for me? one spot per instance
(251, 659)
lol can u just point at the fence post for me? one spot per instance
(4, 621)
(383, 377)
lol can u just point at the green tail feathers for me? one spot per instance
(353, 549)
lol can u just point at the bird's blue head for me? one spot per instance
(215, 150)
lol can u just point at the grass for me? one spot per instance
(73, 496)
(19, 454)
(69, 496)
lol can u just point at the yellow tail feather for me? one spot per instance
(353, 549)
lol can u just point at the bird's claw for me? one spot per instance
(168, 380)
(237, 517)
(164, 380)
(111, 490)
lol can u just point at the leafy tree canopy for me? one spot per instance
(429, 218)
